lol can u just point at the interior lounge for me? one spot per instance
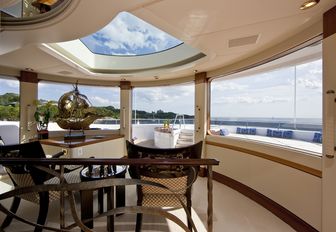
(166, 115)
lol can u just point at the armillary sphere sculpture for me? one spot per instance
(74, 111)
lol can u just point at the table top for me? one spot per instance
(102, 171)
(89, 139)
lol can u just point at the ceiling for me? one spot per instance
(226, 31)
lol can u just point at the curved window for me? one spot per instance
(127, 35)
(161, 115)
(105, 100)
(9, 110)
(279, 102)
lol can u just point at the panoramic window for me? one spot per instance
(105, 101)
(127, 35)
(163, 116)
(9, 110)
(279, 102)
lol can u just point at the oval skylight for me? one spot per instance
(127, 35)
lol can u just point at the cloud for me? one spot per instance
(252, 100)
(178, 99)
(95, 100)
(9, 83)
(228, 85)
(310, 83)
(129, 35)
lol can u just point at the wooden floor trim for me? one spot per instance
(282, 161)
(284, 214)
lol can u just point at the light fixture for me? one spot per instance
(156, 77)
(308, 4)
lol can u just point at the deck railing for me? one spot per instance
(69, 188)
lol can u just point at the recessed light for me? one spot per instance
(308, 4)
(195, 71)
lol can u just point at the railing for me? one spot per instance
(64, 187)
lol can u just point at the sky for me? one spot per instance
(271, 94)
(128, 35)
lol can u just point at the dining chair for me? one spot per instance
(23, 175)
(177, 178)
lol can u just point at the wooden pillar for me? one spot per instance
(126, 109)
(28, 93)
(201, 106)
(329, 115)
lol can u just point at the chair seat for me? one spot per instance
(177, 185)
(163, 200)
(26, 180)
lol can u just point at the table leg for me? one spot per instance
(120, 193)
(101, 200)
(87, 206)
(120, 196)
(110, 205)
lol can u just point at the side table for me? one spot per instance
(99, 172)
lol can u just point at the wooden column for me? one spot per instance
(28, 93)
(329, 115)
(126, 109)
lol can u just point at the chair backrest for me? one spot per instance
(24, 150)
(162, 171)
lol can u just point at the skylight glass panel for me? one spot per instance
(127, 35)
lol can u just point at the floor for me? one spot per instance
(232, 212)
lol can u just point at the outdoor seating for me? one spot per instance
(23, 175)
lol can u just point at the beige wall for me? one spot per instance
(329, 115)
(297, 191)
(28, 93)
(126, 113)
(109, 149)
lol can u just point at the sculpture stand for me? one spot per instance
(74, 135)
(42, 134)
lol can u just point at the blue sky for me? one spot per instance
(128, 35)
(271, 94)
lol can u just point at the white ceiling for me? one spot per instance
(205, 25)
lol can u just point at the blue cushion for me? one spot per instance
(277, 133)
(269, 132)
(252, 131)
(287, 134)
(238, 130)
(317, 137)
(223, 132)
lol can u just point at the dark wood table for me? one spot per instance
(99, 173)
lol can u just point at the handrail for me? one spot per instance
(106, 161)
